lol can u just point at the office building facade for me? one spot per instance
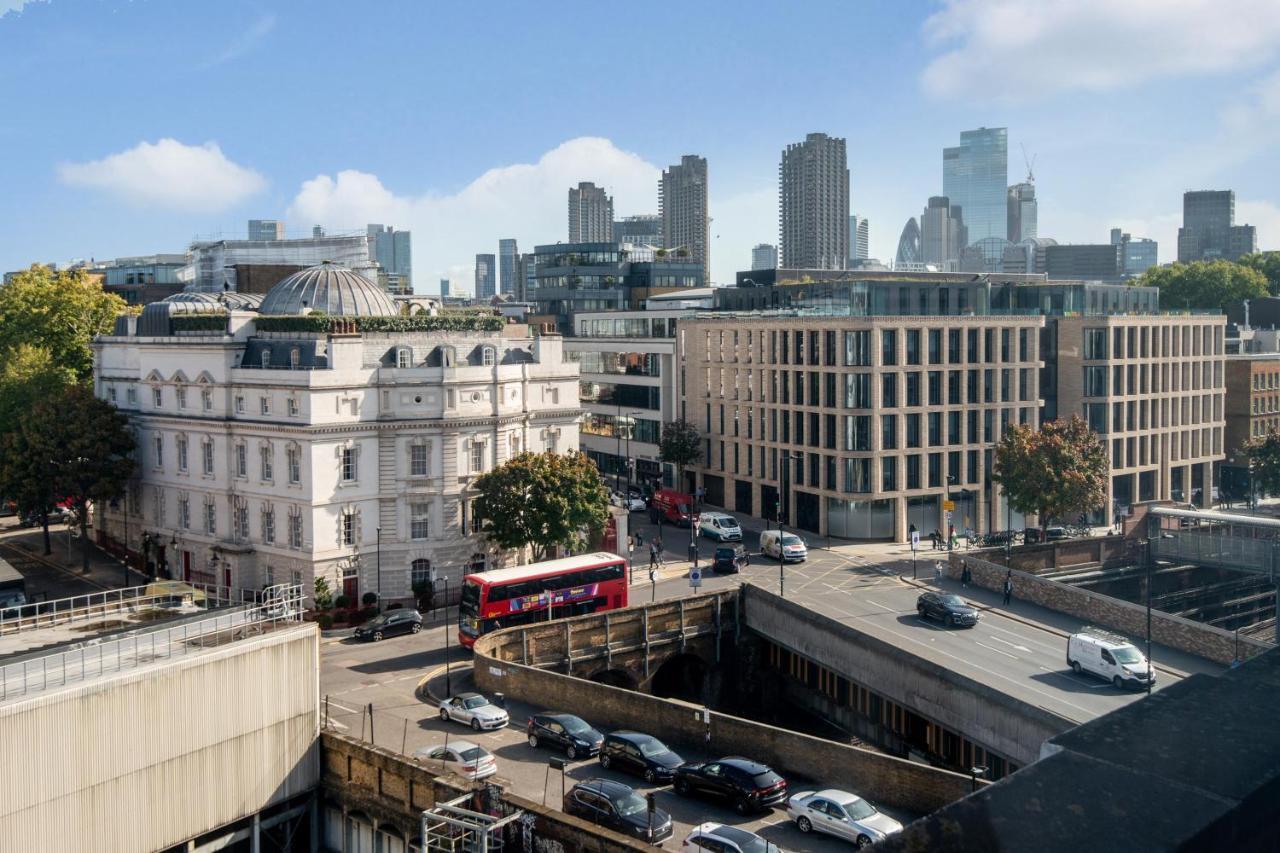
(393, 251)
(214, 266)
(486, 276)
(444, 287)
(975, 176)
(859, 239)
(508, 256)
(1208, 228)
(143, 280)
(943, 235)
(764, 256)
(1136, 255)
(266, 229)
(1022, 213)
(813, 202)
(682, 204)
(1085, 261)
(909, 248)
(644, 229)
(590, 214)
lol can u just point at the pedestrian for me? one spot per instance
(937, 572)
(1008, 587)
(933, 540)
(965, 574)
(657, 550)
(639, 539)
(653, 553)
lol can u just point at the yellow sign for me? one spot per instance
(948, 505)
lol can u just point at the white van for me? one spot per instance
(1110, 657)
(719, 526)
(792, 547)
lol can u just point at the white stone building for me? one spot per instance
(267, 454)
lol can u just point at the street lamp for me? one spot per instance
(377, 560)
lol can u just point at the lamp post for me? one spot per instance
(975, 773)
(126, 536)
(1146, 558)
(448, 691)
(377, 562)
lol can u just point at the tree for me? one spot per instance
(322, 595)
(28, 374)
(681, 445)
(1058, 472)
(1264, 463)
(1267, 263)
(26, 474)
(1216, 285)
(541, 500)
(59, 312)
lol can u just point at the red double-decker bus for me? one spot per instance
(567, 587)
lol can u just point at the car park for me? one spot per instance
(403, 620)
(951, 610)
(474, 710)
(718, 838)
(459, 756)
(729, 559)
(618, 807)
(841, 814)
(719, 526)
(790, 546)
(748, 786)
(640, 755)
(564, 731)
(1109, 656)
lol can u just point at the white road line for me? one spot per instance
(883, 606)
(1011, 645)
(342, 707)
(994, 649)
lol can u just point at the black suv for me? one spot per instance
(640, 755)
(570, 733)
(950, 609)
(748, 785)
(399, 621)
(616, 806)
(730, 559)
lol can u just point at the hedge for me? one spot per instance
(417, 323)
(210, 322)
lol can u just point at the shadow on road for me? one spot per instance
(414, 660)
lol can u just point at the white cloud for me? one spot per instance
(1021, 49)
(527, 201)
(242, 43)
(7, 6)
(168, 174)
(1263, 215)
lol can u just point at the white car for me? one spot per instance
(631, 502)
(841, 814)
(459, 756)
(718, 838)
(474, 710)
(719, 526)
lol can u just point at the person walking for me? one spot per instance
(653, 554)
(657, 550)
(1008, 587)
(965, 575)
(937, 572)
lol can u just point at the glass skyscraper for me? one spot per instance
(975, 177)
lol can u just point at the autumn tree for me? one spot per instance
(681, 445)
(1057, 472)
(541, 500)
(59, 312)
(1215, 285)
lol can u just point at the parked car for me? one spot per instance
(841, 814)
(1056, 534)
(730, 559)
(792, 546)
(951, 610)
(616, 806)
(672, 507)
(718, 838)
(1109, 656)
(747, 785)
(719, 526)
(631, 502)
(474, 710)
(565, 731)
(459, 756)
(640, 755)
(403, 620)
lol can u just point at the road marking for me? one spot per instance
(1012, 645)
(994, 649)
(344, 708)
(332, 723)
(883, 607)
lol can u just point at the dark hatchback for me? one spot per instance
(616, 806)
(640, 755)
(400, 621)
(748, 786)
(564, 731)
(730, 559)
(951, 610)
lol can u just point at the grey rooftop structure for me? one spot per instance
(331, 289)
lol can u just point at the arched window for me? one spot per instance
(266, 357)
(419, 572)
(404, 357)
(490, 355)
(295, 357)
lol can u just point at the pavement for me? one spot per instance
(60, 574)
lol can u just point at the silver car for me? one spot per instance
(841, 814)
(459, 756)
(474, 710)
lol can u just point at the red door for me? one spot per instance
(351, 588)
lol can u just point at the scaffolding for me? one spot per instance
(459, 826)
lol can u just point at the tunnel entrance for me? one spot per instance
(683, 676)
(615, 678)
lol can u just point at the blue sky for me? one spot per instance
(131, 128)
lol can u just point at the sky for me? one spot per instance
(133, 128)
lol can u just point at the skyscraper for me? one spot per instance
(526, 277)
(1022, 212)
(508, 255)
(909, 244)
(644, 229)
(764, 257)
(392, 250)
(682, 204)
(1209, 228)
(1137, 255)
(943, 234)
(590, 214)
(444, 287)
(975, 176)
(484, 276)
(266, 229)
(859, 238)
(813, 203)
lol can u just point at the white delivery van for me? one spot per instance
(787, 545)
(1109, 656)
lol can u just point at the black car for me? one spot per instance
(570, 733)
(950, 609)
(616, 806)
(748, 785)
(400, 621)
(730, 559)
(640, 755)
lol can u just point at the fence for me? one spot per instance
(61, 611)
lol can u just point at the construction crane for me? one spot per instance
(1031, 164)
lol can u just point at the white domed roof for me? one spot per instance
(331, 289)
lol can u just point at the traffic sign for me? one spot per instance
(695, 578)
(948, 505)
(915, 539)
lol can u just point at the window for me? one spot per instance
(348, 528)
(182, 453)
(889, 390)
(182, 397)
(889, 346)
(292, 404)
(913, 430)
(913, 346)
(184, 513)
(419, 572)
(418, 459)
(242, 460)
(477, 454)
(857, 391)
(489, 356)
(157, 397)
(206, 399)
(349, 471)
(266, 455)
(857, 349)
(888, 473)
(210, 518)
(159, 444)
(264, 405)
(131, 395)
(295, 530)
(1095, 344)
(265, 358)
(206, 454)
(889, 432)
(477, 563)
(403, 357)
(913, 472)
(111, 395)
(935, 346)
(1095, 381)
(268, 524)
(295, 357)
(242, 521)
(293, 458)
(418, 526)
(239, 404)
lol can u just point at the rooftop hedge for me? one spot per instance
(210, 322)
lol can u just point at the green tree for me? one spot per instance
(681, 445)
(1058, 472)
(541, 500)
(1267, 263)
(1215, 285)
(1264, 463)
(27, 469)
(59, 312)
(28, 374)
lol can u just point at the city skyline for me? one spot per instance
(116, 192)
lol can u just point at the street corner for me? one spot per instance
(443, 682)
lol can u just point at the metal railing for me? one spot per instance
(93, 658)
(95, 605)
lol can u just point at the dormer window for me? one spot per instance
(266, 358)
(490, 355)
(295, 357)
(404, 357)
(447, 357)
